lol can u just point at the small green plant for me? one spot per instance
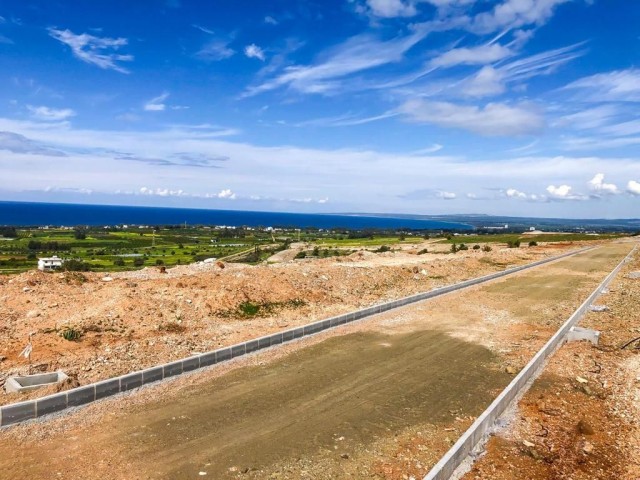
(462, 246)
(249, 309)
(454, 248)
(382, 249)
(119, 262)
(486, 248)
(423, 251)
(476, 247)
(533, 243)
(71, 334)
(138, 262)
(513, 243)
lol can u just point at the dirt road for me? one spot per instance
(381, 398)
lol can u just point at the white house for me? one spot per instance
(52, 263)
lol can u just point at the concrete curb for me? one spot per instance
(459, 452)
(30, 409)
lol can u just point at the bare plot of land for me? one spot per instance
(382, 398)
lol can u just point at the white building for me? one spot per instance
(52, 263)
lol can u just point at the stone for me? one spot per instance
(585, 428)
(587, 448)
(345, 456)
(511, 370)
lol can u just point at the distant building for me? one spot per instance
(52, 263)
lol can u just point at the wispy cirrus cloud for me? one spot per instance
(50, 114)
(215, 51)
(479, 55)
(357, 54)
(15, 143)
(492, 119)
(615, 86)
(157, 104)
(98, 51)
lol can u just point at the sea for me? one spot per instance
(65, 214)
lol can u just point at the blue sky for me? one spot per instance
(519, 107)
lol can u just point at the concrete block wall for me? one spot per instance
(30, 409)
(459, 452)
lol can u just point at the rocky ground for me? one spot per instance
(132, 320)
(581, 418)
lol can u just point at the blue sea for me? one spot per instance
(63, 214)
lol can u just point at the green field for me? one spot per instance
(117, 250)
(114, 249)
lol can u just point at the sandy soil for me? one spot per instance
(133, 320)
(381, 398)
(581, 418)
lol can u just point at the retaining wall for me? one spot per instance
(23, 411)
(447, 465)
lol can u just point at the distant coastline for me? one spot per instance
(67, 214)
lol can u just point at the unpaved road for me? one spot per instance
(381, 398)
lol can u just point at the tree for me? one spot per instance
(138, 262)
(119, 262)
(80, 233)
(75, 265)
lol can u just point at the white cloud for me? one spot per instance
(162, 192)
(532, 197)
(226, 193)
(633, 187)
(597, 184)
(446, 195)
(515, 14)
(254, 51)
(564, 192)
(6, 40)
(156, 104)
(480, 55)
(270, 20)
(492, 119)
(203, 29)
(215, 51)
(347, 176)
(392, 8)
(488, 81)
(50, 114)
(513, 193)
(94, 50)
(357, 54)
(620, 85)
(588, 118)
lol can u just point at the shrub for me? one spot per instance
(486, 248)
(423, 251)
(454, 248)
(513, 243)
(463, 247)
(74, 265)
(249, 309)
(383, 248)
(159, 262)
(138, 262)
(533, 243)
(80, 234)
(118, 262)
(476, 247)
(71, 334)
